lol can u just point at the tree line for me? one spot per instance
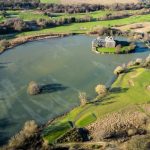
(18, 25)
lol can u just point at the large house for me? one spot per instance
(104, 42)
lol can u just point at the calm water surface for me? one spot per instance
(64, 66)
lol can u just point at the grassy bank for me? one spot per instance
(128, 90)
(88, 26)
(112, 50)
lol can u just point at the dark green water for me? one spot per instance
(65, 65)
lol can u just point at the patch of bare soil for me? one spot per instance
(136, 27)
(103, 2)
(120, 126)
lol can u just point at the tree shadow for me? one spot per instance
(140, 49)
(103, 99)
(4, 64)
(50, 88)
(2, 67)
(107, 103)
(118, 90)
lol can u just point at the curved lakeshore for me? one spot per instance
(16, 41)
(74, 76)
(78, 126)
(50, 62)
(22, 40)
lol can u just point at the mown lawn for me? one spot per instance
(87, 119)
(112, 49)
(54, 131)
(106, 50)
(128, 90)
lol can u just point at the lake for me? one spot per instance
(64, 65)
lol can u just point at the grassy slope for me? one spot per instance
(76, 27)
(123, 94)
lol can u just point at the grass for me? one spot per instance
(122, 95)
(112, 49)
(95, 14)
(25, 15)
(87, 119)
(88, 26)
(106, 50)
(34, 15)
(54, 131)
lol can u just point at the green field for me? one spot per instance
(25, 15)
(124, 49)
(88, 26)
(106, 50)
(95, 14)
(84, 27)
(128, 90)
(28, 15)
(56, 130)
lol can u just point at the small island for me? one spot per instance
(111, 46)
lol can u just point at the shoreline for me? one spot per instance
(14, 42)
(25, 39)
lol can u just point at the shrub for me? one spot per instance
(147, 62)
(83, 98)
(139, 143)
(16, 140)
(119, 70)
(132, 46)
(33, 88)
(118, 49)
(130, 64)
(132, 132)
(30, 127)
(19, 25)
(4, 43)
(138, 61)
(1, 49)
(102, 31)
(101, 89)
